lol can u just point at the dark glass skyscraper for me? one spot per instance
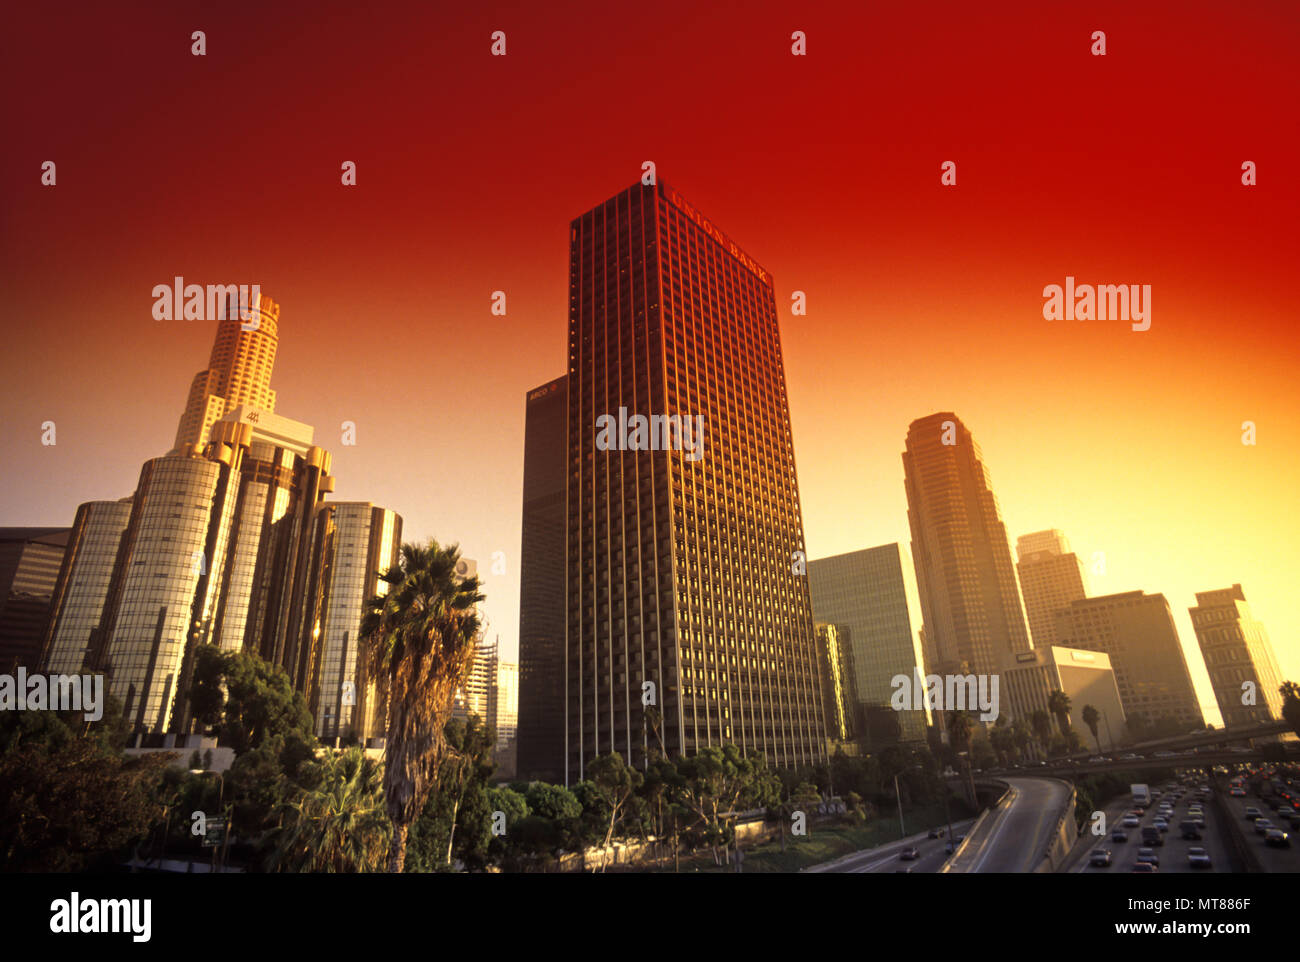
(685, 581)
(969, 599)
(541, 586)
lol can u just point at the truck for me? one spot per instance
(1141, 795)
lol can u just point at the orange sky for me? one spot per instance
(1116, 169)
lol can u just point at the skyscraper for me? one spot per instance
(685, 542)
(30, 559)
(1137, 631)
(872, 595)
(479, 696)
(77, 605)
(1086, 677)
(238, 371)
(1243, 672)
(354, 542)
(541, 585)
(1051, 577)
(227, 540)
(969, 599)
(836, 665)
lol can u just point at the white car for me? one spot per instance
(1198, 857)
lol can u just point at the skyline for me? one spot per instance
(1130, 447)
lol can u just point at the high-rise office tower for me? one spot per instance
(227, 541)
(969, 599)
(238, 372)
(835, 655)
(479, 696)
(872, 595)
(685, 534)
(1137, 631)
(1243, 672)
(77, 604)
(30, 559)
(1086, 677)
(354, 542)
(541, 585)
(507, 702)
(1051, 577)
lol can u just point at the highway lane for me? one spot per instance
(885, 858)
(1021, 833)
(1173, 853)
(1273, 859)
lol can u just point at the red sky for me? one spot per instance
(1117, 169)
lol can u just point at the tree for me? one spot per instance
(713, 783)
(1091, 718)
(614, 784)
(420, 634)
(1291, 704)
(1058, 703)
(259, 702)
(1041, 722)
(337, 826)
(960, 729)
(70, 801)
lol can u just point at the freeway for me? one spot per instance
(1173, 853)
(886, 858)
(1020, 832)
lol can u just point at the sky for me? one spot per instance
(1116, 169)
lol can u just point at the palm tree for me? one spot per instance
(1290, 692)
(1058, 703)
(1023, 735)
(420, 632)
(1091, 717)
(959, 731)
(1041, 722)
(338, 826)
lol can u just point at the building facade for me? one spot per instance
(685, 553)
(238, 371)
(1243, 670)
(30, 559)
(1137, 632)
(835, 654)
(872, 595)
(1051, 579)
(969, 599)
(1086, 677)
(540, 745)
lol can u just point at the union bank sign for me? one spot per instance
(709, 228)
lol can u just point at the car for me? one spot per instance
(1146, 854)
(1130, 757)
(1144, 867)
(1166, 754)
(1100, 858)
(1161, 823)
(1130, 821)
(1237, 792)
(909, 854)
(1285, 811)
(1152, 836)
(1197, 857)
(1190, 829)
(1276, 838)
(1118, 835)
(1253, 813)
(935, 833)
(1262, 825)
